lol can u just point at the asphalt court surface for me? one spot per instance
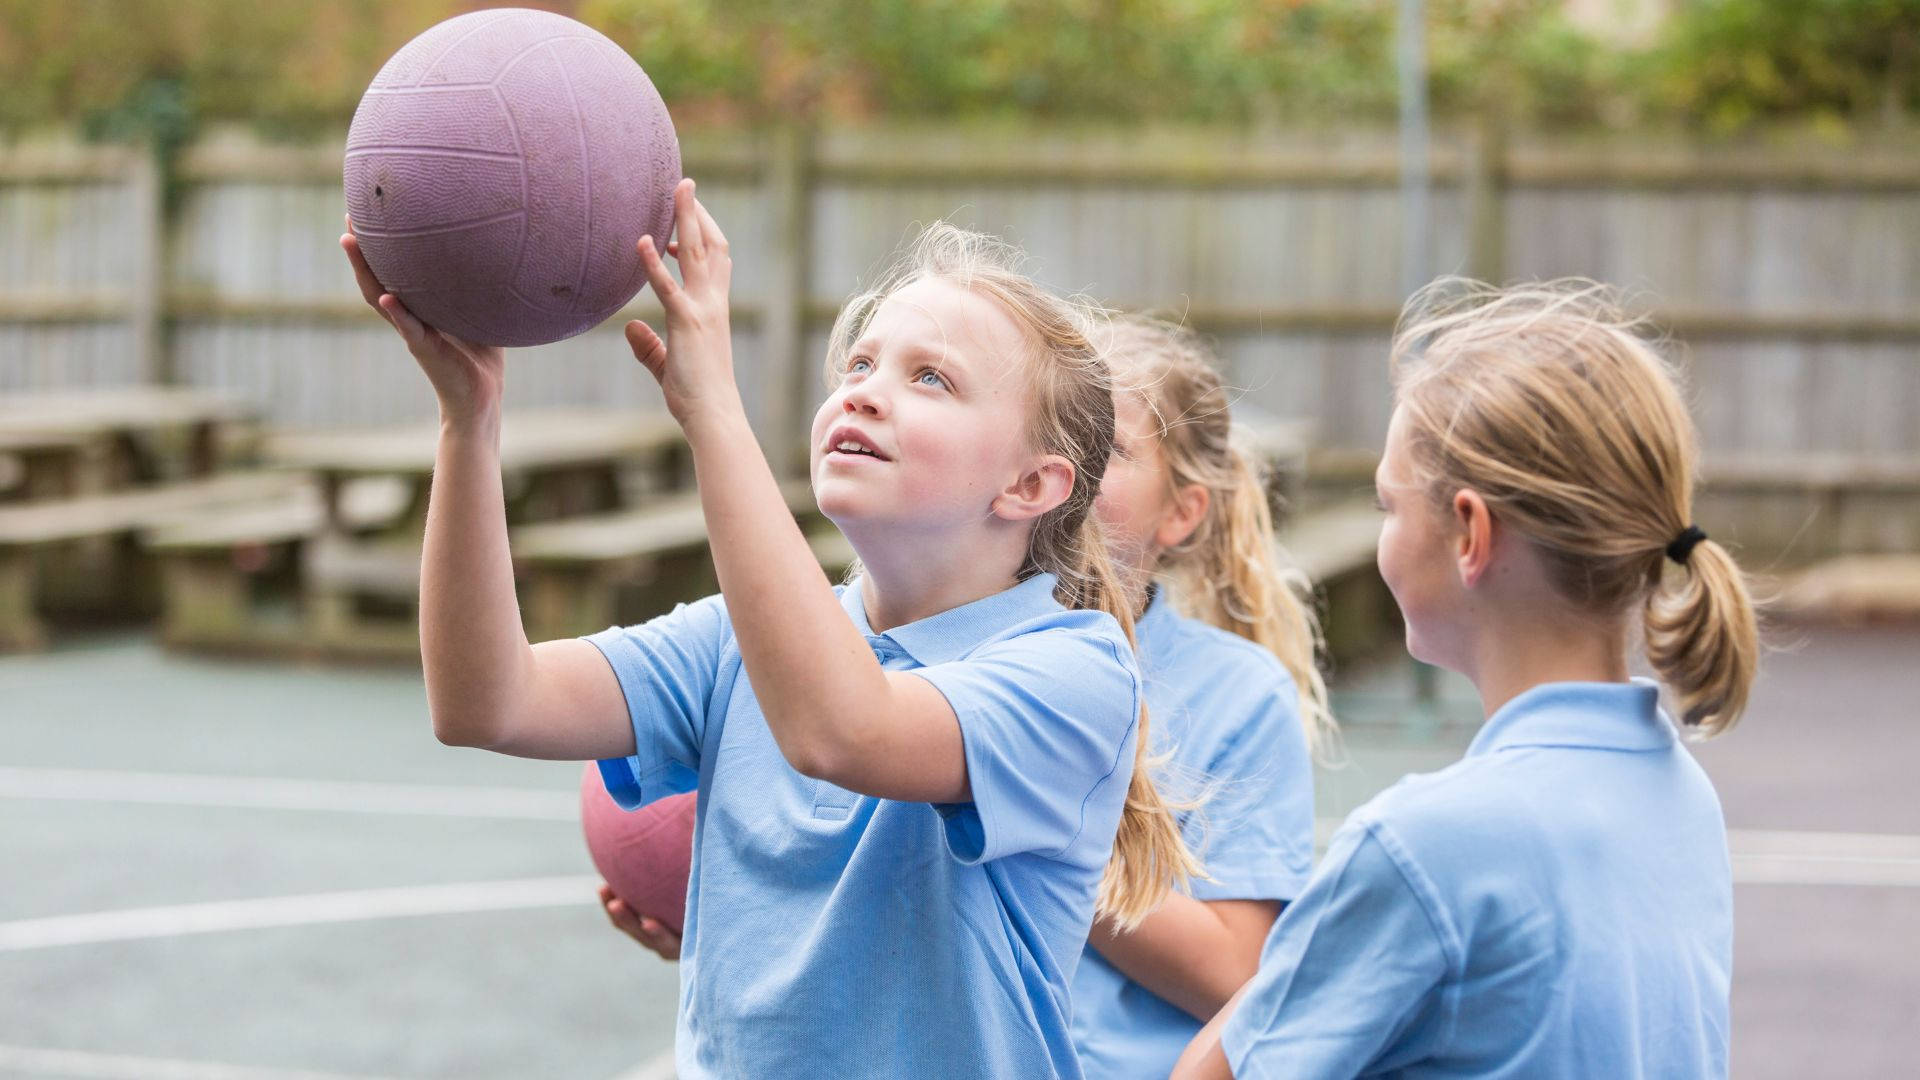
(263, 872)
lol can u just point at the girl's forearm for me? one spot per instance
(472, 645)
(1205, 1058)
(1194, 953)
(811, 670)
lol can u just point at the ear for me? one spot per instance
(1473, 542)
(1041, 488)
(1189, 508)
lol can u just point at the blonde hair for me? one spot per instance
(1550, 403)
(1070, 414)
(1229, 572)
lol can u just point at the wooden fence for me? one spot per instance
(1793, 279)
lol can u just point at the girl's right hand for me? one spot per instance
(651, 933)
(468, 379)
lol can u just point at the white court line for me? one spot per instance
(1789, 857)
(282, 793)
(81, 1065)
(1818, 845)
(309, 910)
(535, 804)
(1759, 856)
(1865, 873)
(1795, 857)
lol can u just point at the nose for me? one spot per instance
(862, 400)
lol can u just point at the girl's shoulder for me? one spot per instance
(703, 623)
(710, 611)
(1069, 630)
(1469, 805)
(1181, 643)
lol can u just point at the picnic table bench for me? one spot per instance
(230, 577)
(553, 462)
(589, 573)
(34, 535)
(85, 441)
(360, 586)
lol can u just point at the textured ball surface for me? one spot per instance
(499, 170)
(644, 855)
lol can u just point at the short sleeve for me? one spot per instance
(1048, 721)
(1355, 977)
(1255, 832)
(668, 668)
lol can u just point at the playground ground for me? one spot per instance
(245, 871)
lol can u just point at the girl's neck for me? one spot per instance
(1516, 659)
(1138, 576)
(906, 582)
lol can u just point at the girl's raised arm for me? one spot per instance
(486, 686)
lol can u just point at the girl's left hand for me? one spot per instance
(694, 364)
(649, 932)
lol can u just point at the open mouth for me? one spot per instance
(850, 443)
(850, 447)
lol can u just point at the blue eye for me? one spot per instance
(859, 365)
(933, 375)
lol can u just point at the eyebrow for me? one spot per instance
(950, 359)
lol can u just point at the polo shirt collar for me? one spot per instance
(1596, 715)
(955, 632)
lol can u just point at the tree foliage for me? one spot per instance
(1728, 64)
(158, 67)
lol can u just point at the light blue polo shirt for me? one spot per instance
(831, 934)
(1556, 904)
(1230, 714)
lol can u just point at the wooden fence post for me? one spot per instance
(784, 328)
(1486, 183)
(146, 301)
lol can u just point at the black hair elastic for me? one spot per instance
(1682, 545)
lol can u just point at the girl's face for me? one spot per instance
(929, 423)
(1137, 502)
(1417, 556)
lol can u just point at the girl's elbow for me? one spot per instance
(813, 761)
(454, 728)
(820, 755)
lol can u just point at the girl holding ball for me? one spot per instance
(915, 791)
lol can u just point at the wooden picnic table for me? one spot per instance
(554, 462)
(67, 443)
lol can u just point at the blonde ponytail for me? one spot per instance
(1548, 401)
(1239, 583)
(1150, 856)
(1701, 637)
